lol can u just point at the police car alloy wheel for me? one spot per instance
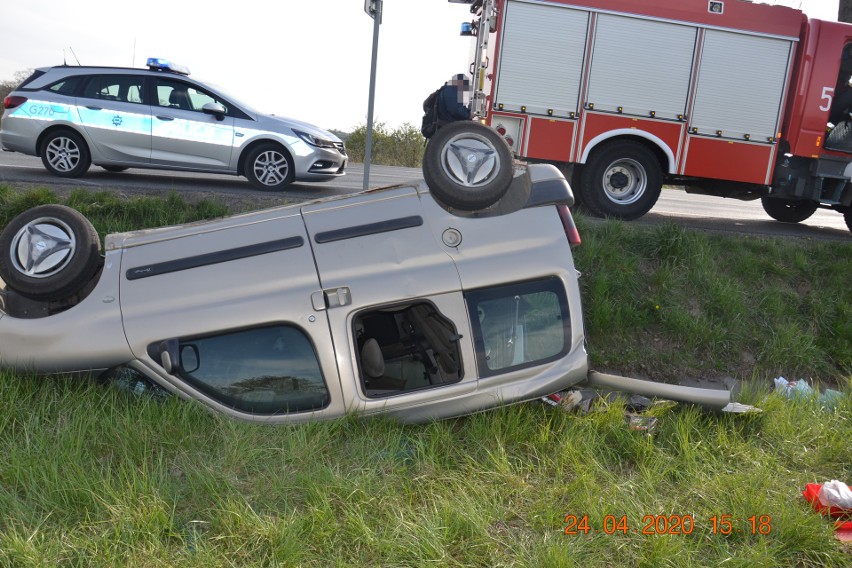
(269, 166)
(64, 153)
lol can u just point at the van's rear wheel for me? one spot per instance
(788, 210)
(467, 166)
(622, 179)
(48, 252)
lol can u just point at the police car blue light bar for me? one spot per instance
(160, 64)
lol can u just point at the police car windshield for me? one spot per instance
(228, 96)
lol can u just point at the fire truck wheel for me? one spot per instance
(49, 252)
(788, 211)
(848, 218)
(467, 166)
(622, 180)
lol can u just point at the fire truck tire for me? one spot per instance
(622, 179)
(49, 252)
(467, 166)
(788, 211)
(847, 216)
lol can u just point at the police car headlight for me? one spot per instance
(314, 140)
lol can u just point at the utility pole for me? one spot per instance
(374, 10)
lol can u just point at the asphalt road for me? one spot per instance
(695, 211)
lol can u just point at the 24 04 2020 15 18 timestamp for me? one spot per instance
(670, 525)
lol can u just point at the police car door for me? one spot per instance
(183, 134)
(393, 300)
(113, 114)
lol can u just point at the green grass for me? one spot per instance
(91, 476)
(668, 301)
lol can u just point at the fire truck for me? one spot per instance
(724, 97)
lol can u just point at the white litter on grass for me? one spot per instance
(835, 494)
(737, 408)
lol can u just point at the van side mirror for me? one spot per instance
(169, 356)
(174, 356)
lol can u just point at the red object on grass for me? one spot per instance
(811, 494)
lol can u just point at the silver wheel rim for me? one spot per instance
(43, 247)
(470, 160)
(625, 181)
(63, 154)
(271, 168)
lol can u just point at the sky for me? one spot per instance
(307, 59)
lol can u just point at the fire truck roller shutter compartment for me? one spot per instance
(541, 59)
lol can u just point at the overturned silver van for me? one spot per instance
(388, 301)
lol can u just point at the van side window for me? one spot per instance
(519, 325)
(269, 370)
(407, 347)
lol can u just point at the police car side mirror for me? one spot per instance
(215, 109)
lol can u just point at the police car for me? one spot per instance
(119, 118)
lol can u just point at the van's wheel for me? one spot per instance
(622, 179)
(48, 252)
(787, 210)
(269, 166)
(468, 165)
(64, 153)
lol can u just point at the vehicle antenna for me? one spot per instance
(75, 56)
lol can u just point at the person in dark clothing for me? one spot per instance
(451, 105)
(842, 103)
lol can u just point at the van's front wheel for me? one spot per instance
(622, 179)
(49, 252)
(468, 166)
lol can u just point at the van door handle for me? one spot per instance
(331, 298)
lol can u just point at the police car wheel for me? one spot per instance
(49, 252)
(269, 166)
(64, 153)
(788, 211)
(467, 166)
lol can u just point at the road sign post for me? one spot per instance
(373, 8)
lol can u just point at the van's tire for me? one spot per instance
(622, 179)
(49, 252)
(270, 167)
(788, 210)
(468, 166)
(64, 153)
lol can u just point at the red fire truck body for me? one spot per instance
(726, 97)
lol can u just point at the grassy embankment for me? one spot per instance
(93, 477)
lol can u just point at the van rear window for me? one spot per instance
(519, 325)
